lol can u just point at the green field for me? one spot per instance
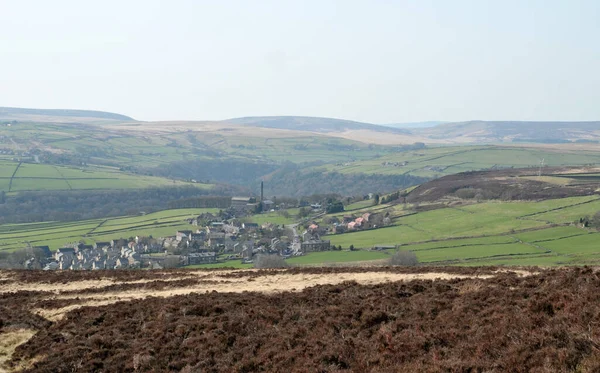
(273, 217)
(491, 233)
(32, 177)
(440, 161)
(56, 234)
(359, 205)
(326, 257)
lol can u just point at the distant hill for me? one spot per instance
(515, 131)
(312, 124)
(19, 113)
(427, 124)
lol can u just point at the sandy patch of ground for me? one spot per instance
(267, 284)
(9, 341)
(73, 285)
(77, 294)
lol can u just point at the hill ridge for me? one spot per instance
(7, 112)
(310, 123)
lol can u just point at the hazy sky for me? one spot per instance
(373, 61)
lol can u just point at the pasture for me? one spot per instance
(57, 234)
(517, 233)
(440, 161)
(19, 177)
(328, 257)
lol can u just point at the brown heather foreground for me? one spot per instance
(423, 319)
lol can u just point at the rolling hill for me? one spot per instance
(514, 131)
(12, 113)
(312, 124)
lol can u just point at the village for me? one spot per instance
(213, 238)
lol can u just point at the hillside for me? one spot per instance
(11, 113)
(515, 131)
(510, 184)
(312, 124)
(448, 160)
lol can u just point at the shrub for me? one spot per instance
(466, 193)
(269, 261)
(404, 258)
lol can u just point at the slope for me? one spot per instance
(312, 124)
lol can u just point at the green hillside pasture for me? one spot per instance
(159, 224)
(479, 220)
(569, 214)
(56, 235)
(160, 216)
(272, 217)
(388, 236)
(28, 227)
(551, 234)
(529, 208)
(466, 253)
(325, 257)
(359, 205)
(481, 241)
(465, 158)
(31, 177)
(4, 184)
(543, 260)
(483, 219)
(578, 246)
(28, 170)
(55, 238)
(294, 149)
(7, 168)
(19, 185)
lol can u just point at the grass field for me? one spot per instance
(517, 233)
(326, 257)
(31, 177)
(56, 234)
(359, 205)
(440, 161)
(273, 217)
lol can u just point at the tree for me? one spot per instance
(303, 212)
(334, 207)
(403, 258)
(269, 261)
(171, 262)
(376, 198)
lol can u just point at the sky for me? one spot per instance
(374, 61)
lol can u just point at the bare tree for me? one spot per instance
(269, 261)
(172, 261)
(404, 258)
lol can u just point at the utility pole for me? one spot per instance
(541, 166)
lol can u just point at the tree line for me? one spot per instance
(29, 207)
